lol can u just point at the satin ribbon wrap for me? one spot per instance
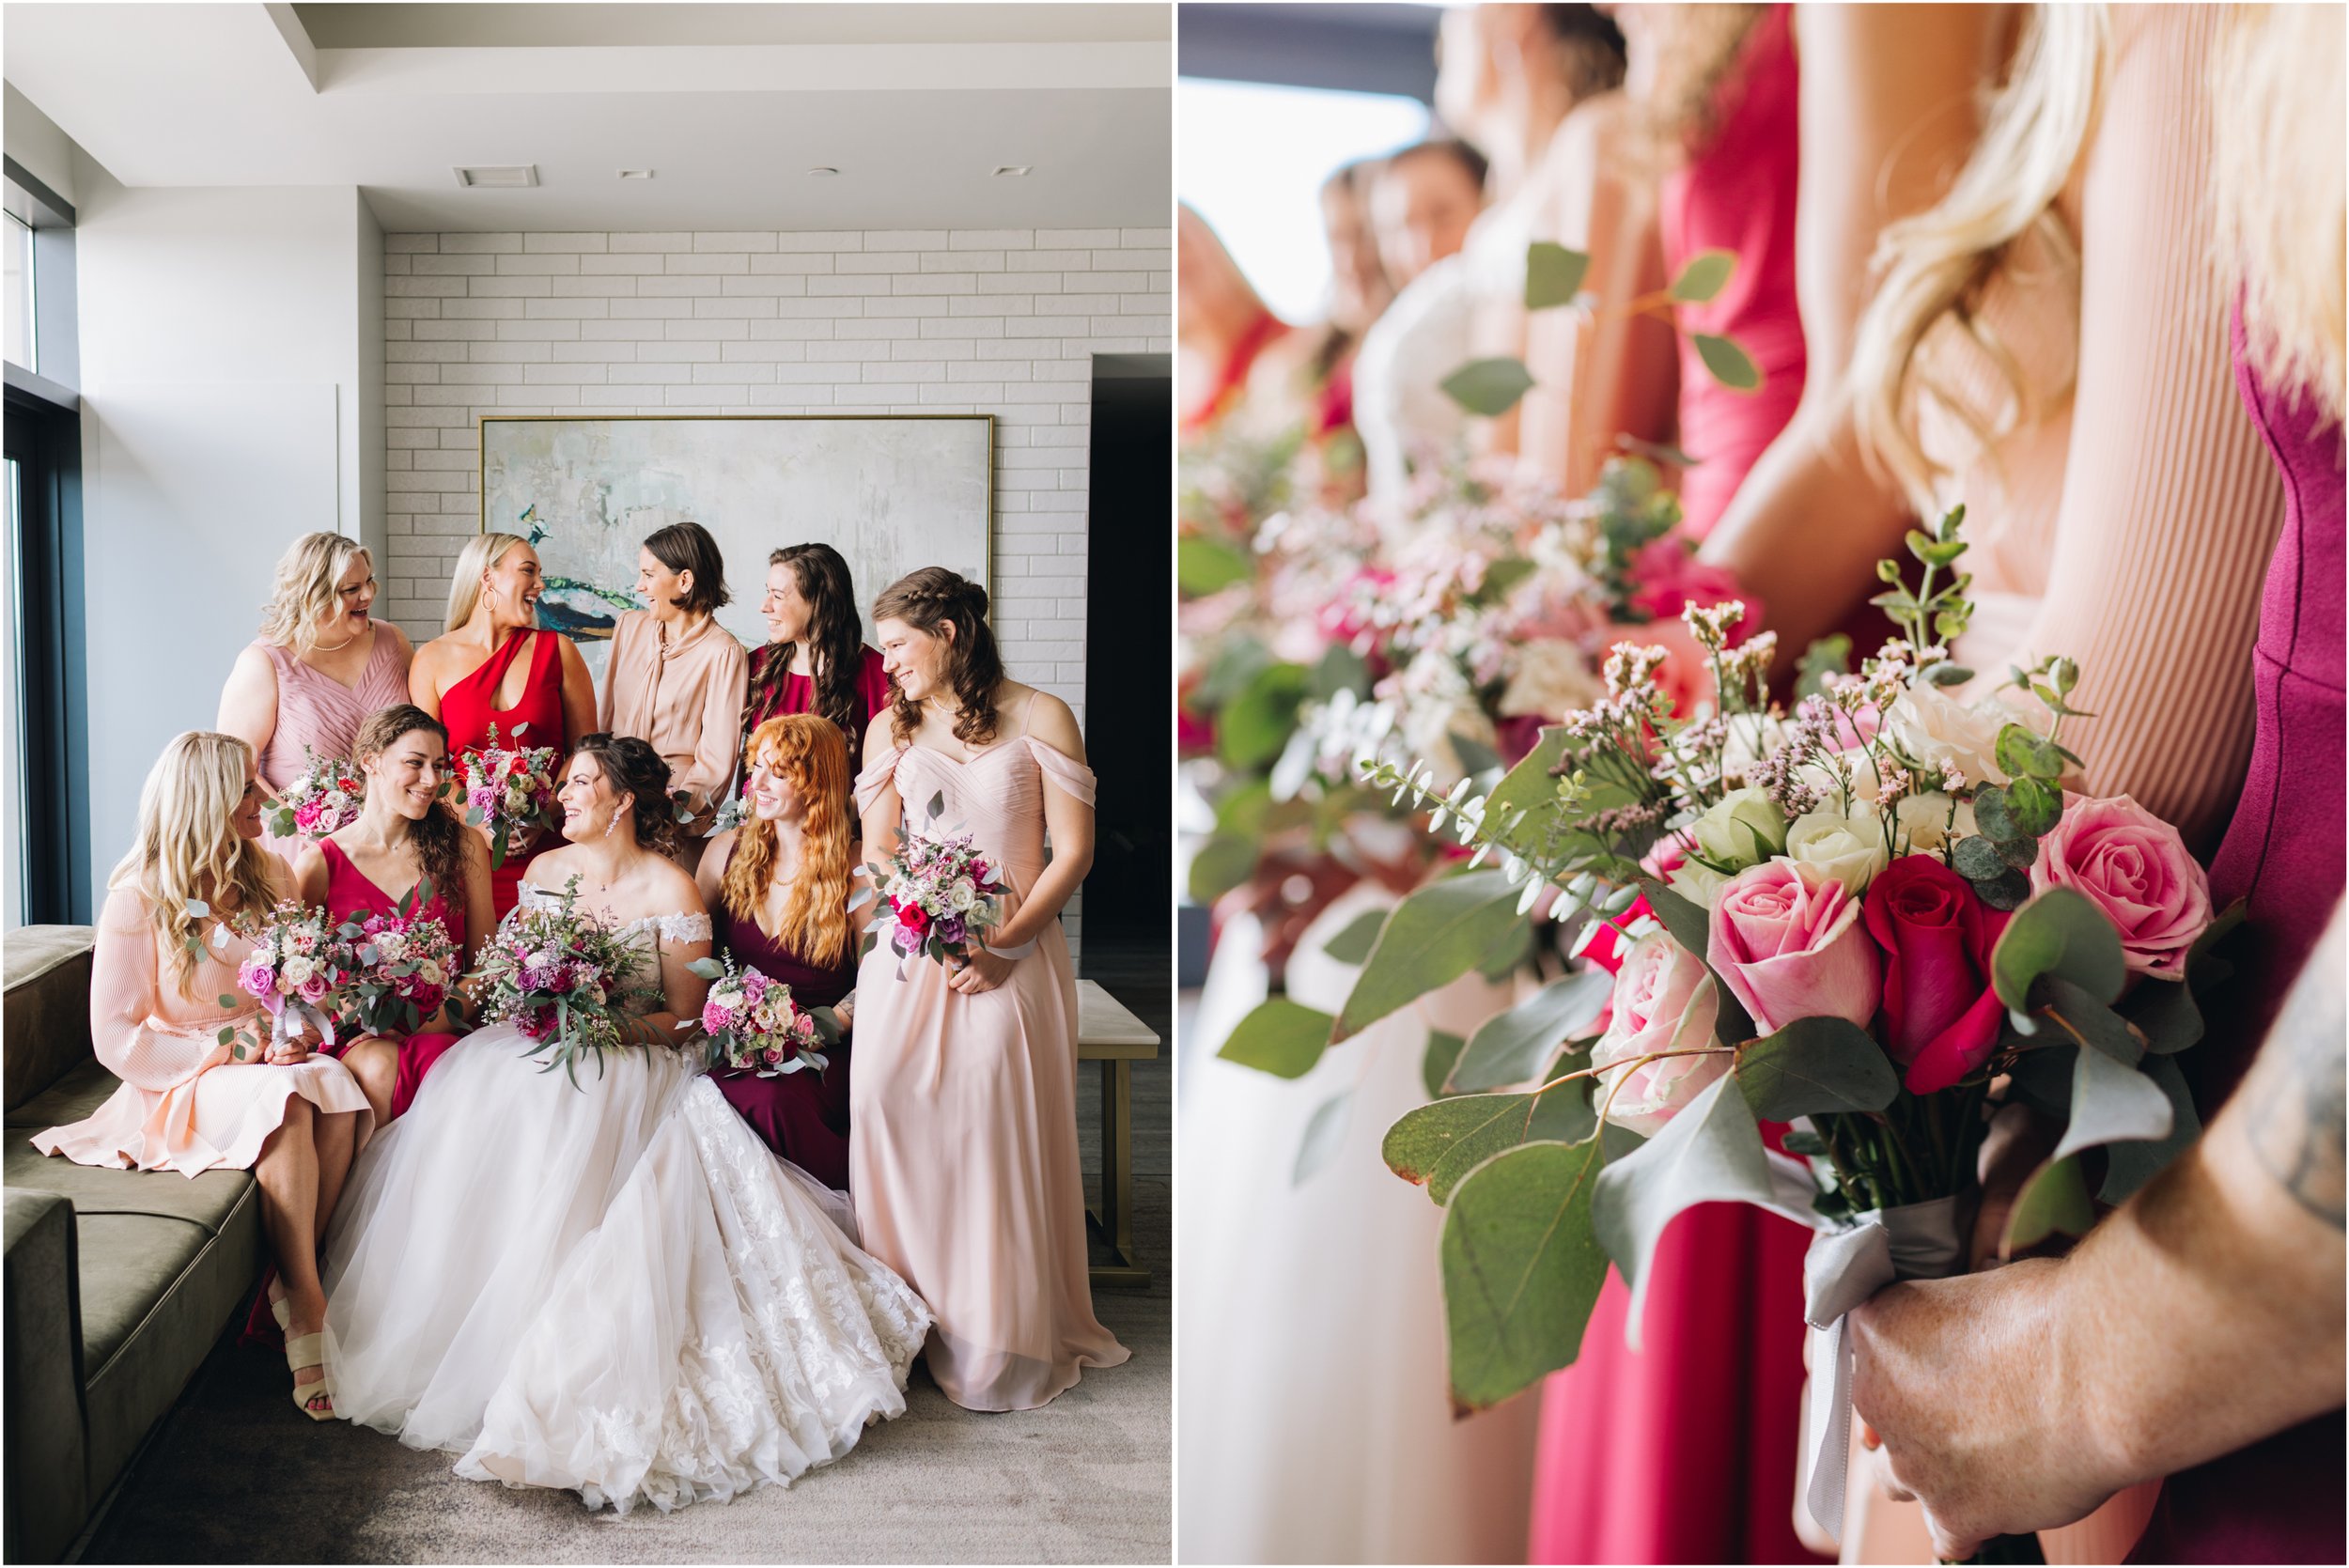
(1844, 1267)
(287, 1015)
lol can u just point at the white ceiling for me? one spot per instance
(729, 104)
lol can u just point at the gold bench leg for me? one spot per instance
(1115, 1216)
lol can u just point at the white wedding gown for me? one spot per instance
(614, 1288)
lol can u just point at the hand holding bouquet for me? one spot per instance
(938, 893)
(511, 790)
(291, 971)
(752, 1021)
(325, 799)
(560, 976)
(397, 968)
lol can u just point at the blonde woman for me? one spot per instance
(322, 664)
(494, 667)
(187, 1105)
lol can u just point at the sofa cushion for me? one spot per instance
(73, 1096)
(47, 1488)
(206, 1199)
(156, 1294)
(47, 1007)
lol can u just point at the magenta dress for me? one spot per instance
(1711, 1408)
(802, 1116)
(2278, 1500)
(1737, 195)
(350, 892)
(774, 693)
(315, 710)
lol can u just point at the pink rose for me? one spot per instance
(1667, 575)
(1663, 1001)
(1941, 1017)
(1786, 942)
(2134, 867)
(313, 989)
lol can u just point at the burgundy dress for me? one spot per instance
(776, 692)
(350, 892)
(802, 1116)
(2278, 1500)
(469, 709)
(1711, 1408)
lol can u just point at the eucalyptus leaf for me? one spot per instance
(1340, 669)
(1353, 944)
(706, 969)
(1521, 1269)
(2080, 1015)
(1476, 758)
(1435, 1068)
(2009, 892)
(1729, 364)
(1813, 1066)
(1203, 566)
(1279, 1037)
(2169, 1015)
(2024, 753)
(1434, 936)
(1490, 387)
(1704, 276)
(1437, 1145)
(1255, 724)
(2130, 1165)
(1325, 1135)
(1946, 674)
(1512, 1048)
(1223, 863)
(1553, 275)
(1978, 860)
(2111, 1103)
(1528, 787)
(2055, 1198)
(2032, 808)
(2062, 933)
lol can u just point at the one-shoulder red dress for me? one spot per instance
(469, 709)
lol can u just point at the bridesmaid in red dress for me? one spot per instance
(402, 840)
(816, 660)
(493, 666)
(777, 888)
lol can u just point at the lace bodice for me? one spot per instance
(645, 934)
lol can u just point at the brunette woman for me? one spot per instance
(777, 888)
(677, 676)
(322, 664)
(494, 667)
(188, 1103)
(403, 840)
(815, 661)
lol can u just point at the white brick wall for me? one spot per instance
(1000, 321)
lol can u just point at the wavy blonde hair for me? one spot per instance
(1935, 266)
(188, 846)
(306, 590)
(813, 753)
(2282, 190)
(481, 552)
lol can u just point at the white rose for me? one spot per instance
(1549, 680)
(431, 972)
(392, 945)
(963, 896)
(1849, 848)
(1934, 728)
(298, 971)
(1744, 827)
(1700, 885)
(1927, 825)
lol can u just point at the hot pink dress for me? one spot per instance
(1711, 1408)
(350, 892)
(468, 709)
(316, 710)
(962, 1143)
(186, 1104)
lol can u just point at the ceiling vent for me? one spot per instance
(635, 174)
(499, 176)
(1012, 171)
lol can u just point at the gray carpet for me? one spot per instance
(235, 1475)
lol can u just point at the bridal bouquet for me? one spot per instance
(325, 799)
(752, 1021)
(291, 971)
(397, 966)
(562, 977)
(510, 789)
(1874, 919)
(938, 892)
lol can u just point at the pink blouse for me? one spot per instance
(684, 696)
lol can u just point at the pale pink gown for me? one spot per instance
(962, 1141)
(316, 710)
(185, 1104)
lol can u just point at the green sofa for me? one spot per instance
(119, 1281)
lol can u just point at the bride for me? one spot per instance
(614, 1287)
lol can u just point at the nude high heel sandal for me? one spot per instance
(301, 1354)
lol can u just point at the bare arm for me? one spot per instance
(309, 874)
(1068, 820)
(2204, 1316)
(883, 813)
(710, 876)
(424, 688)
(1888, 119)
(579, 694)
(480, 906)
(248, 704)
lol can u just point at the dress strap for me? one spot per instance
(490, 673)
(1063, 769)
(875, 778)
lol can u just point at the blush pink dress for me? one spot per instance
(316, 710)
(185, 1104)
(962, 1143)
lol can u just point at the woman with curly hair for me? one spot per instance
(964, 1162)
(814, 660)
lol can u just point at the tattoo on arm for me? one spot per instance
(2295, 1095)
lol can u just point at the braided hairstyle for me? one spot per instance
(439, 834)
(631, 767)
(930, 600)
(835, 645)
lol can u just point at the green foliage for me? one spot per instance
(1726, 362)
(1437, 1145)
(1340, 669)
(2058, 933)
(1512, 1047)
(1553, 275)
(2055, 1200)
(1255, 724)
(1814, 1066)
(1281, 1037)
(1325, 1135)
(2130, 1165)
(1353, 944)
(1435, 1068)
(1704, 276)
(1203, 566)
(1490, 387)
(1223, 863)
(1521, 1269)
(1827, 656)
(1433, 937)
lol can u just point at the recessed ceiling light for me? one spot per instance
(1013, 170)
(821, 169)
(498, 176)
(635, 174)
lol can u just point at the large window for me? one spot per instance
(24, 342)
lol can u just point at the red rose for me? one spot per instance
(1940, 1015)
(913, 919)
